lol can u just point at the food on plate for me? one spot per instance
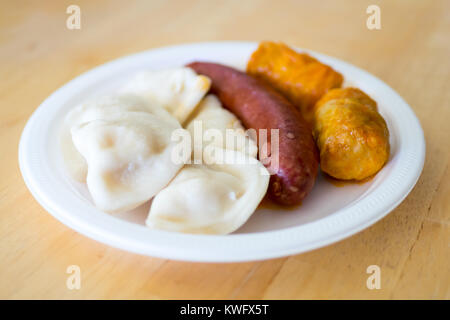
(216, 197)
(351, 135)
(300, 77)
(124, 145)
(178, 90)
(259, 106)
(127, 148)
(220, 128)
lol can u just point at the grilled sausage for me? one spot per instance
(258, 106)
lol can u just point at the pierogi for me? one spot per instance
(97, 109)
(216, 197)
(178, 90)
(129, 158)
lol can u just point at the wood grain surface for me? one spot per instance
(411, 53)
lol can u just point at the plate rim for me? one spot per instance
(184, 246)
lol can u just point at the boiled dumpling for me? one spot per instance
(103, 106)
(178, 90)
(97, 109)
(216, 197)
(219, 127)
(129, 157)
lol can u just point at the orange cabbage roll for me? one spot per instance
(299, 77)
(352, 137)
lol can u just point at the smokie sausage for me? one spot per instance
(258, 106)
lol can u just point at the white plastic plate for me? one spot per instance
(329, 214)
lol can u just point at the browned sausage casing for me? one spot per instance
(258, 106)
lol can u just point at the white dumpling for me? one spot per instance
(97, 109)
(103, 106)
(212, 116)
(178, 90)
(129, 157)
(216, 197)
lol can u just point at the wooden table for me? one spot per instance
(411, 53)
